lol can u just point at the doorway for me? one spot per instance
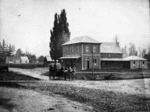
(88, 64)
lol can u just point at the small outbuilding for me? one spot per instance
(48, 60)
(136, 62)
(17, 59)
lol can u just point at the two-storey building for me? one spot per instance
(111, 56)
(82, 53)
(85, 53)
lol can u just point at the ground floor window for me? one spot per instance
(95, 61)
(143, 62)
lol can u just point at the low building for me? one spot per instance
(136, 62)
(17, 60)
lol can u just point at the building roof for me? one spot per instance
(48, 58)
(113, 59)
(24, 58)
(134, 58)
(81, 39)
(70, 57)
(17, 58)
(110, 47)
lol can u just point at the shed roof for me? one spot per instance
(70, 57)
(24, 58)
(134, 58)
(81, 39)
(48, 58)
(110, 47)
(113, 59)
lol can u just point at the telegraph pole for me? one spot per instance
(92, 63)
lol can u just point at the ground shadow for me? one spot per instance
(11, 79)
(5, 103)
(8, 76)
(11, 84)
(45, 74)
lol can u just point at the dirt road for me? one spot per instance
(132, 86)
(23, 93)
(23, 100)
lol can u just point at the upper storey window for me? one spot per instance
(87, 49)
(77, 48)
(72, 48)
(95, 49)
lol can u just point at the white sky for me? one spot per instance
(26, 23)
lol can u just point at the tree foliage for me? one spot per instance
(19, 52)
(41, 59)
(124, 51)
(32, 57)
(5, 50)
(59, 35)
(132, 50)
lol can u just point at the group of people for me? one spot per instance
(67, 72)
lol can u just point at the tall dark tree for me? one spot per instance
(59, 35)
(54, 38)
(65, 33)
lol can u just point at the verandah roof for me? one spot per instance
(113, 59)
(130, 58)
(70, 57)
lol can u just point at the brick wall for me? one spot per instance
(70, 50)
(111, 55)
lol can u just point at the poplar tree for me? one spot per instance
(59, 35)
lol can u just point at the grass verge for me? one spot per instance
(101, 100)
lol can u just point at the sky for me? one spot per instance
(27, 23)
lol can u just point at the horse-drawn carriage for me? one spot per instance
(57, 71)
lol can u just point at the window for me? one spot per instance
(87, 49)
(94, 61)
(143, 62)
(133, 63)
(65, 49)
(94, 49)
(78, 48)
(87, 58)
(72, 48)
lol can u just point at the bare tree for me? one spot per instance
(132, 50)
(124, 51)
(116, 40)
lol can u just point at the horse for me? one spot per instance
(66, 74)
